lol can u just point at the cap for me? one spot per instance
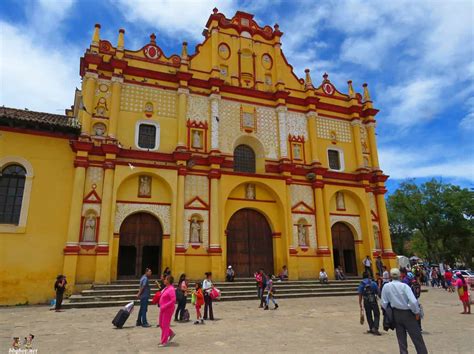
(458, 273)
(395, 272)
(229, 267)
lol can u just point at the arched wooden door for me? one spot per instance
(140, 245)
(249, 243)
(343, 248)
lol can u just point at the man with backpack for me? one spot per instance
(368, 290)
(416, 289)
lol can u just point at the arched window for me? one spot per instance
(12, 185)
(244, 159)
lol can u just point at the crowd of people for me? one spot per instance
(399, 292)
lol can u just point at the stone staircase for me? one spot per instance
(122, 292)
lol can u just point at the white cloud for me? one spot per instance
(43, 80)
(180, 19)
(35, 73)
(412, 102)
(423, 162)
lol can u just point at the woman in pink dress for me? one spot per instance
(167, 304)
(463, 293)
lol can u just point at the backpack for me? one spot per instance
(416, 288)
(368, 293)
(185, 315)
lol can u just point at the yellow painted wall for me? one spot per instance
(30, 261)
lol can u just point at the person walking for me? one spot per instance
(60, 288)
(385, 276)
(167, 305)
(207, 287)
(368, 290)
(463, 293)
(448, 278)
(181, 295)
(368, 266)
(416, 290)
(270, 293)
(144, 295)
(260, 279)
(406, 311)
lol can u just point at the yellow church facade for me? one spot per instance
(193, 162)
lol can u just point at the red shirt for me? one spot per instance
(448, 275)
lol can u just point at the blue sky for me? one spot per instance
(417, 57)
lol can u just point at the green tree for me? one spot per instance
(436, 221)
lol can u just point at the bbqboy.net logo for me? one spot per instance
(23, 348)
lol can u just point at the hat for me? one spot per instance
(395, 272)
(229, 267)
(410, 275)
(458, 273)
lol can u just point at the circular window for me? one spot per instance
(267, 61)
(224, 51)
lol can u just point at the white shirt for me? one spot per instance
(386, 277)
(322, 275)
(399, 296)
(206, 285)
(367, 262)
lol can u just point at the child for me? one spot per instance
(270, 293)
(197, 293)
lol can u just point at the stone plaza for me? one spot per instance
(327, 325)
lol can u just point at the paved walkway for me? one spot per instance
(325, 325)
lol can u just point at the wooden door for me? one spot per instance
(343, 248)
(249, 243)
(140, 245)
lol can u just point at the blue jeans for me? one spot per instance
(270, 297)
(141, 320)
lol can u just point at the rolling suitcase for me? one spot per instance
(120, 318)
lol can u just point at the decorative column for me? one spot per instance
(281, 113)
(71, 251)
(179, 264)
(102, 265)
(115, 105)
(88, 90)
(328, 261)
(215, 249)
(182, 110)
(291, 247)
(387, 251)
(313, 136)
(357, 143)
(373, 145)
(214, 58)
(322, 227)
(215, 98)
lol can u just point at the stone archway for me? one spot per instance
(344, 248)
(249, 243)
(140, 245)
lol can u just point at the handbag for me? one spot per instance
(156, 298)
(214, 294)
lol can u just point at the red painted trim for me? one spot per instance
(252, 200)
(205, 206)
(71, 250)
(102, 250)
(358, 241)
(92, 193)
(276, 234)
(215, 250)
(140, 202)
(310, 210)
(341, 214)
(323, 252)
(165, 236)
(180, 250)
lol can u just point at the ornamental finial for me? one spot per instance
(121, 39)
(366, 97)
(152, 38)
(308, 81)
(96, 35)
(351, 89)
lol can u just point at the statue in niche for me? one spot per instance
(148, 109)
(89, 231)
(101, 108)
(195, 231)
(250, 191)
(144, 186)
(297, 151)
(376, 237)
(340, 203)
(248, 120)
(99, 129)
(196, 139)
(366, 161)
(302, 234)
(365, 148)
